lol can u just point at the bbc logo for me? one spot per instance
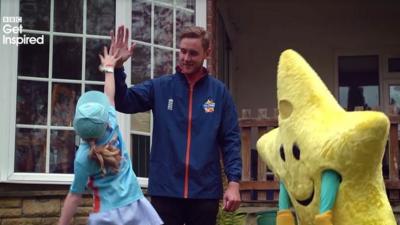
(12, 19)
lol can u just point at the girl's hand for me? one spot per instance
(108, 59)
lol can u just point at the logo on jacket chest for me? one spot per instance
(170, 104)
(209, 106)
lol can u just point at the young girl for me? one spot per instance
(103, 164)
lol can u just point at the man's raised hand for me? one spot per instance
(119, 45)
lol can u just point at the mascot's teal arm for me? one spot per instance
(329, 187)
(284, 201)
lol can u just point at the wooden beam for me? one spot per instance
(259, 186)
(269, 122)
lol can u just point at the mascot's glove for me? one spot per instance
(285, 217)
(324, 218)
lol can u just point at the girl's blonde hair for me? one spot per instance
(108, 156)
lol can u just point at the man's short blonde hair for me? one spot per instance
(196, 32)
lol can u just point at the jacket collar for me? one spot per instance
(192, 80)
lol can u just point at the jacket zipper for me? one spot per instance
(189, 139)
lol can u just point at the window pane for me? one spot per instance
(163, 25)
(140, 154)
(32, 102)
(141, 122)
(30, 150)
(394, 99)
(100, 16)
(62, 151)
(141, 20)
(67, 57)
(190, 4)
(166, 1)
(93, 48)
(94, 87)
(359, 97)
(394, 64)
(68, 16)
(35, 14)
(33, 60)
(358, 82)
(141, 64)
(183, 19)
(162, 61)
(63, 100)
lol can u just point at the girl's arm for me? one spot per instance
(70, 205)
(109, 87)
(108, 62)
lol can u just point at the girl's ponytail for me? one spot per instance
(108, 156)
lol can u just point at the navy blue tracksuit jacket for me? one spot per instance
(192, 129)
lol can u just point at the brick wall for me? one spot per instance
(39, 210)
(39, 204)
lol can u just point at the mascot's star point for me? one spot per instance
(315, 137)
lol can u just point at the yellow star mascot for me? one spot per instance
(328, 161)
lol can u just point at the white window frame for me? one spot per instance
(6, 89)
(8, 92)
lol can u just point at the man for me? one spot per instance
(195, 122)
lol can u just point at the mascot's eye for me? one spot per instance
(282, 152)
(296, 152)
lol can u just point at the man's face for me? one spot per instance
(191, 55)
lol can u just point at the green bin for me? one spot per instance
(266, 217)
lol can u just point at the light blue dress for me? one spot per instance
(117, 197)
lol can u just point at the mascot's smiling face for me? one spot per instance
(316, 134)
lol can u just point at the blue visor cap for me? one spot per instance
(91, 115)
